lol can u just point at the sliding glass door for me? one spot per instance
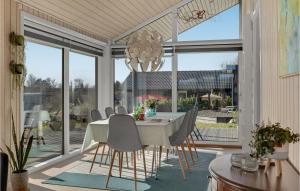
(43, 101)
(82, 85)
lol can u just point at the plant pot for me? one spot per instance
(19, 181)
(280, 153)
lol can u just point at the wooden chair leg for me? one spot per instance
(121, 163)
(108, 154)
(180, 163)
(144, 160)
(190, 150)
(95, 157)
(110, 168)
(159, 157)
(126, 155)
(185, 158)
(167, 154)
(134, 169)
(193, 144)
(153, 160)
(120, 168)
(103, 149)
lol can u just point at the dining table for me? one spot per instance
(154, 130)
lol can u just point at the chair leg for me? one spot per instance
(144, 160)
(159, 157)
(108, 154)
(190, 150)
(103, 149)
(153, 159)
(110, 168)
(95, 157)
(185, 158)
(121, 163)
(134, 169)
(196, 135)
(180, 163)
(199, 133)
(167, 154)
(127, 159)
(193, 144)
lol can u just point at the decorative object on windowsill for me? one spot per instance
(18, 159)
(271, 142)
(139, 113)
(151, 105)
(144, 48)
(17, 66)
(244, 161)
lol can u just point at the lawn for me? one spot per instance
(215, 125)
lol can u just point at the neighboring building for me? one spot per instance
(189, 83)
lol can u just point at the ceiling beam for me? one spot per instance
(152, 19)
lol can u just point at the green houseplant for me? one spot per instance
(18, 159)
(271, 141)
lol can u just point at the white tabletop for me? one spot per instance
(153, 131)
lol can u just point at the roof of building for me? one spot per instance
(206, 80)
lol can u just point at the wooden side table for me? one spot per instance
(228, 178)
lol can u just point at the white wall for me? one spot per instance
(279, 96)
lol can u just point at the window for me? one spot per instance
(82, 76)
(210, 80)
(219, 23)
(43, 101)
(134, 88)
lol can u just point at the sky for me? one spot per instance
(223, 26)
(44, 61)
(81, 66)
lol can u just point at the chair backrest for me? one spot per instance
(95, 115)
(123, 134)
(109, 111)
(122, 110)
(194, 114)
(179, 136)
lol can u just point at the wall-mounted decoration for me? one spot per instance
(17, 66)
(289, 37)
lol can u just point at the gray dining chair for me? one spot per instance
(122, 110)
(109, 111)
(191, 128)
(96, 116)
(178, 139)
(123, 136)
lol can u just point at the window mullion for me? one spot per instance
(66, 96)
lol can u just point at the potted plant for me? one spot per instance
(18, 159)
(151, 104)
(271, 141)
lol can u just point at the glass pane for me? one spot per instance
(43, 101)
(220, 21)
(210, 80)
(147, 85)
(82, 95)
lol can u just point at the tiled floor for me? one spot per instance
(37, 178)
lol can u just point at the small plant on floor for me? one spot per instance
(266, 137)
(18, 160)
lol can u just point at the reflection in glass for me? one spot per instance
(210, 81)
(82, 95)
(43, 101)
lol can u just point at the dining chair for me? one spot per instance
(191, 128)
(123, 136)
(122, 110)
(178, 139)
(96, 116)
(109, 111)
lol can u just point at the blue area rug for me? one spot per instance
(169, 177)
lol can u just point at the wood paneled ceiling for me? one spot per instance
(105, 18)
(108, 19)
